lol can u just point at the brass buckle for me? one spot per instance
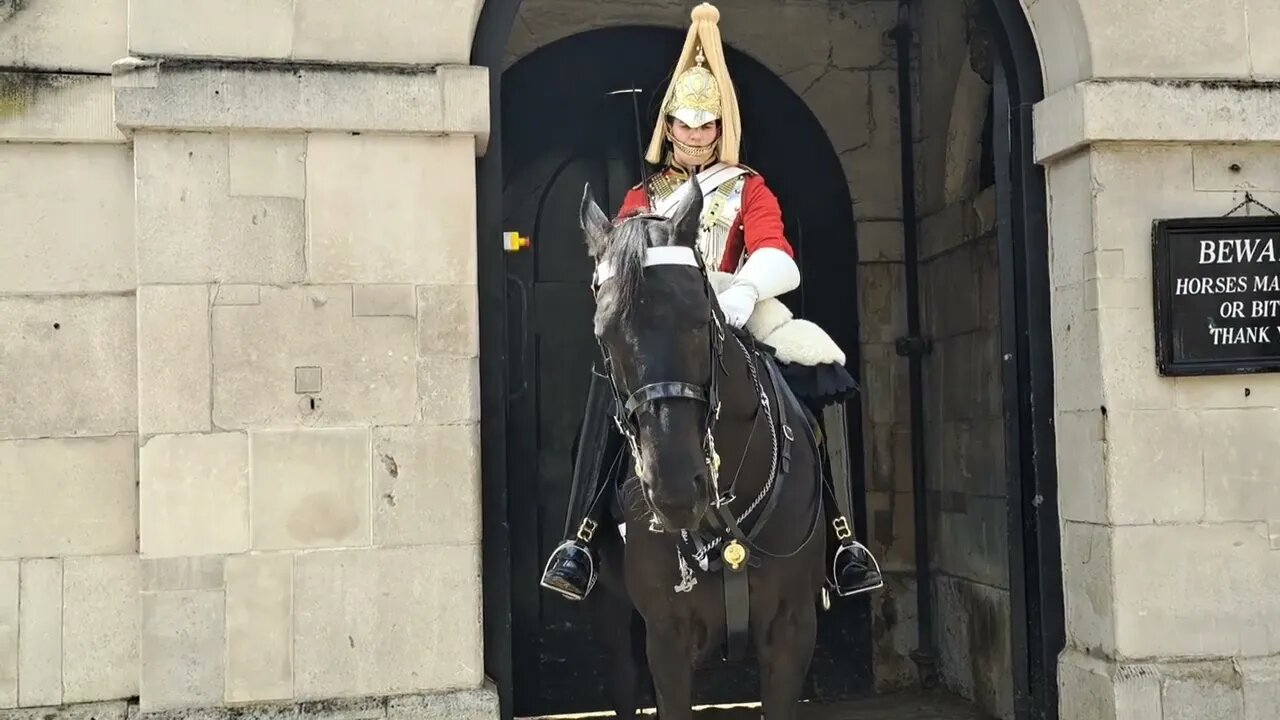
(842, 528)
(587, 530)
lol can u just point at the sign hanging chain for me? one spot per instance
(1249, 199)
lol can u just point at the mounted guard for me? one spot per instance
(751, 263)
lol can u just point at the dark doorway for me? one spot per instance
(558, 136)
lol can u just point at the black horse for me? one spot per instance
(723, 507)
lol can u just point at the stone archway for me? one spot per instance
(1032, 522)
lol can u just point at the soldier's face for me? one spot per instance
(693, 145)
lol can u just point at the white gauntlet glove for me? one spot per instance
(767, 273)
(738, 302)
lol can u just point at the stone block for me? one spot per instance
(755, 26)
(1173, 46)
(383, 301)
(73, 35)
(1260, 683)
(1264, 40)
(53, 198)
(1071, 227)
(891, 529)
(1160, 576)
(975, 658)
(1155, 468)
(874, 181)
(477, 704)
(449, 389)
(1077, 353)
(1226, 391)
(66, 497)
(393, 31)
(367, 364)
(310, 488)
(884, 383)
(1094, 689)
(191, 229)
(194, 495)
(1202, 691)
(859, 34)
(173, 359)
(449, 99)
(69, 366)
(1238, 476)
(51, 107)
(100, 611)
(268, 165)
(1130, 378)
(391, 209)
(9, 595)
(882, 315)
(199, 572)
(40, 633)
(880, 241)
(424, 636)
(1082, 474)
(182, 650)
(232, 28)
(1089, 570)
(426, 485)
(1235, 167)
(237, 294)
(832, 98)
(890, 451)
(448, 320)
(973, 544)
(259, 628)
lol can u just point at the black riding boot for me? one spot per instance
(571, 569)
(854, 570)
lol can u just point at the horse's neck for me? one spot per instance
(743, 430)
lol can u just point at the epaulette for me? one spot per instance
(750, 170)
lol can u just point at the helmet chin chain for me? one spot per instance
(698, 154)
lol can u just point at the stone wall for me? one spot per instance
(238, 352)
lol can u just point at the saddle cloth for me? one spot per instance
(794, 340)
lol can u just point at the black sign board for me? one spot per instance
(1217, 295)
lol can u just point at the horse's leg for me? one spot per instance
(670, 652)
(784, 644)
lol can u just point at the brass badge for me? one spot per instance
(734, 554)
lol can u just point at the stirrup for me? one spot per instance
(873, 566)
(591, 572)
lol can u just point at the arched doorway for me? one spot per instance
(1036, 625)
(558, 136)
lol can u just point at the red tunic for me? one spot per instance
(759, 221)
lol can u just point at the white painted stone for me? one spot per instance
(1094, 689)
(259, 627)
(1264, 40)
(448, 320)
(229, 28)
(1202, 691)
(391, 31)
(310, 488)
(1260, 680)
(63, 497)
(479, 704)
(236, 294)
(100, 616)
(1082, 475)
(72, 35)
(191, 229)
(198, 572)
(182, 650)
(68, 213)
(194, 495)
(1235, 166)
(426, 485)
(367, 363)
(44, 107)
(268, 165)
(391, 209)
(174, 359)
(450, 99)
(354, 638)
(40, 633)
(1063, 42)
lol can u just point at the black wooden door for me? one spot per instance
(563, 127)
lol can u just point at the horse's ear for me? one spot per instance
(595, 224)
(687, 215)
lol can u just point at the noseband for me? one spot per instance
(641, 399)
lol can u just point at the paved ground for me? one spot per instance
(937, 705)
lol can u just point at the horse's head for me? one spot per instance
(660, 331)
